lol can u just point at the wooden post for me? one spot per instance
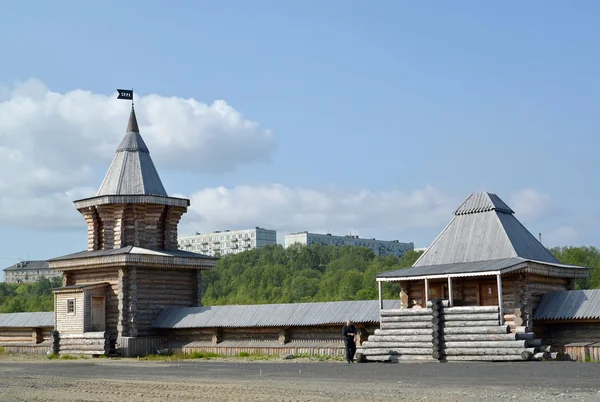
(500, 309)
(450, 296)
(380, 295)
(426, 292)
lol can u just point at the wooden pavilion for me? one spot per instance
(486, 270)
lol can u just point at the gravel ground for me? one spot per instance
(35, 379)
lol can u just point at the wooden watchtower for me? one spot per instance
(132, 268)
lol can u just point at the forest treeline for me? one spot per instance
(22, 297)
(323, 273)
(297, 274)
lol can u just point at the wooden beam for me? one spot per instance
(499, 283)
(380, 295)
(450, 295)
(426, 292)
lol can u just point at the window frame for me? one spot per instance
(74, 307)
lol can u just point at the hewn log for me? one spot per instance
(477, 330)
(527, 354)
(383, 344)
(436, 354)
(371, 345)
(523, 337)
(534, 342)
(542, 356)
(395, 351)
(487, 344)
(471, 317)
(397, 358)
(404, 312)
(436, 314)
(479, 337)
(520, 330)
(470, 310)
(405, 325)
(387, 332)
(485, 358)
(399, 338)
(407, 318)
(555, 356)
(491, 323)
(545, 348)
(485, 351)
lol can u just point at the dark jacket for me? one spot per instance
(348, 330)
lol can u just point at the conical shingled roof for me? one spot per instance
(132, 171)
(484, 228)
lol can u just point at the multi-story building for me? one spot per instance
(29, 271)
(227, 241)
(380, 247)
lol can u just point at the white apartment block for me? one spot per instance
(379, 247)
(227, 241)
(29, 271)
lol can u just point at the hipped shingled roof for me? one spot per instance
(483, 238)
(132, 171)
(484, 228)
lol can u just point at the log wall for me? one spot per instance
(153, 290)
(521, 293)
(109, 275)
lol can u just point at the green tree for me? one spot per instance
(581, 256)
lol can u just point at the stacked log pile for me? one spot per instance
(442, 333)
(474, 333)
(405, 334)
(87, 343)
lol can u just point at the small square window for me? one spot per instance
(70, 306)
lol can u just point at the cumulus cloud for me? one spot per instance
(52, 144)
(530, 204)
(287, 209)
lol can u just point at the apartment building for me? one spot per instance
(29, 271)
(379, 247)
(227, 241)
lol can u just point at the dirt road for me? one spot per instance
(133, 381)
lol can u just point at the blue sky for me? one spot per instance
(407, 106)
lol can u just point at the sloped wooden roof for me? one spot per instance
(132, 171)
(484, 228)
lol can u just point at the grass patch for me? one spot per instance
(243, 354)
(590, 360)
(68, 357)
(203, 355)
(2, 350)
(53, 356)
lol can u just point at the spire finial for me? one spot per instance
(132, 126)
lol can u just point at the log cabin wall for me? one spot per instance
(152, 290)
(20, 340)
(316, 333)
(521, 293)
(109, 275)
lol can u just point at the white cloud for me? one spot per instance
(530, 204)
(52, 144)
(286, 209)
